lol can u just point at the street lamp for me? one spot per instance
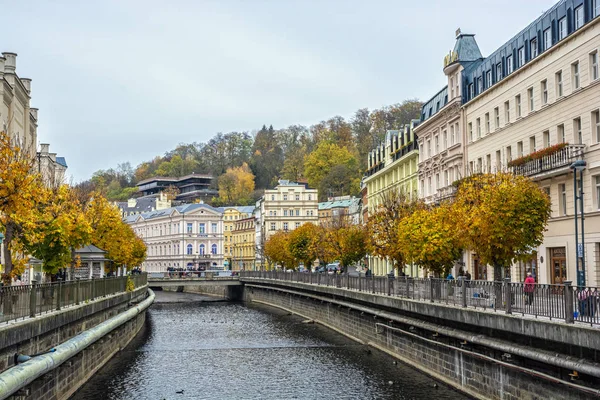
(579, 165)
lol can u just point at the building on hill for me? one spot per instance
(193, 187)
(230, 216)
(346, 207)
(391, 166)
(143, 205)
(244, 238)
(183, 237)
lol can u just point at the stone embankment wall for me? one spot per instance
(45, 332)
(231, 293)
(474, 369)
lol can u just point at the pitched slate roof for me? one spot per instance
(61, 161)
(183, 209)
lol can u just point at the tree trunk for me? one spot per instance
(498, 292)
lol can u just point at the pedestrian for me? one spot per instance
(368, 272)
(450, 277)
(529, 289)
(468, 275)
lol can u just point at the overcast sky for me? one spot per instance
(120, 81)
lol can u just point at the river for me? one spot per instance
(220, 350)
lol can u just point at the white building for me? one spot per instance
(188, 236)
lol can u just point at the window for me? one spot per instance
(428, 148)
(285, 226)
(297, 213)
(596, 7)
(518, 105)
(562, 28)
(547, 39)
(498, 71)
(508, 154)
(575, 75)
(189, 227)
(437, 181)
(507, 112)
(213, 249)
(429, 186)
(509, 65)
(478, 125)
(560, 134)
(201, 249)
(597, 179)
(519, 149)
(272, 226)
(579, 17)
(497, 117)
(562, 188)
(596, 125)
(297, 225)
(532, 147)
(470, 131)
(487, 123)
(530, 98)
(273, 197)
(310, 197)
(479, 85)
(188, 249)
(444, 140)
(285, 196)
(422, 187)
(533, 49)
(559, 86)
(437, 144)
(285, 213)
(488, 78)
(546, 138)
(544, 87)
(498, 160)
(297, 197)
(213, 227)
(479, 165)
(594, 65)
(577, 130)
(521, 55)
(488, 163)
(451, 135)
(201, 228)
(471, 91)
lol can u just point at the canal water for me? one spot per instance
(219, 350)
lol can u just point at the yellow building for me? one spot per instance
(391, 166)
(230, 216)
(244, 236)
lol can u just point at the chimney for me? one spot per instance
(44, 148)
(27, 83)
(52, 157)
(34, 112)
(10, 65)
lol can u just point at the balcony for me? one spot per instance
(548, 162)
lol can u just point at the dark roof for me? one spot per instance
(183, 209)
(142, 204)
(90, 248)
(172, 179)
(535, 30)
(435, 104)
(61, 161)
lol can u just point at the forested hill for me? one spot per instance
(331, 155)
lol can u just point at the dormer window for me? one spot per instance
(479, 85)
(547, 38)
(533, 48)
(562, 28)
(509, 64)
(521, 56)
(498, 71)
(488, 78)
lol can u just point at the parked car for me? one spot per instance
(320, 269)
(332, 268)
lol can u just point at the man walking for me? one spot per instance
(529, 289)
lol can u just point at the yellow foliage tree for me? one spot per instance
(277, 250)
(20, 192)
(301, 243)
(236, 186)
(348, 243)
(320, 163)
(502, 217)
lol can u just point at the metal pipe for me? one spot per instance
(579, 283)
(582, 230)
(22, 375)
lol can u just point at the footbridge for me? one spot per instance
(179, 279)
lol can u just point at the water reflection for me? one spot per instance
(235, 351)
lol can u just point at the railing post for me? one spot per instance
(569, 312)
(507, 295)
(464, 292)
(77, 286)
(93, 288)
(431, 287)
(407, 282)
(32, 299)
(58, 294)
(373, 284)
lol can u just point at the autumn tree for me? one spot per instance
(301, 244)
(319, 164)
(277, 250)
(236, 186)
(20, 191)
(384, 224)
(348, 243)
(502, 217)
(428, 238)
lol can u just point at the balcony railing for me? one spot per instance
(559, 160)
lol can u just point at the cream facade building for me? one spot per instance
(188, 237)
(244, 237)
(391, 166)
(540, 93)
(230, 216)
(287, 207)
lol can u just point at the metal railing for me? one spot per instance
(23, 301)
(559, 159)
(561, 302)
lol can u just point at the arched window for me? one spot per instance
(201, 249)
(189, 249)
(213, 249)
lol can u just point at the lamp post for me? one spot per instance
(579, 165)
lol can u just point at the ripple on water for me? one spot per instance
(234, 351)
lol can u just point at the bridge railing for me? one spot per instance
(562, 302)
(23, 301)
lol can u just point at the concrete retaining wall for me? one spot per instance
(39, 334)
(473, 369)
(231, 293)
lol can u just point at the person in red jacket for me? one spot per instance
(529, 288)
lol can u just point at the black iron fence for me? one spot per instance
(561, 302)
(23, 301)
